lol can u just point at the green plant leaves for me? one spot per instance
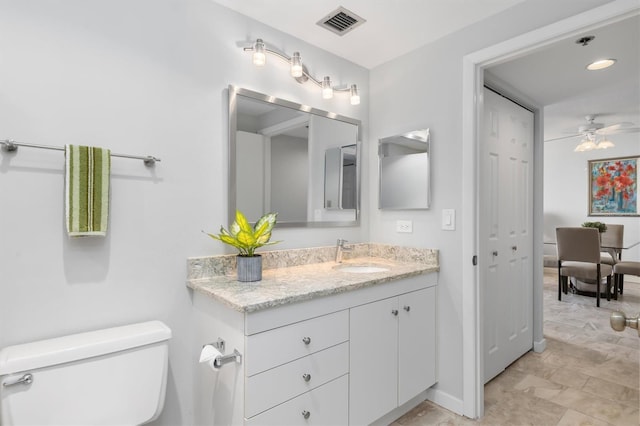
(246, 238)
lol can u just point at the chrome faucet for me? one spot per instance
(340, 248)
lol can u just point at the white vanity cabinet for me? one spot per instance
(392, 353)
(340, 359)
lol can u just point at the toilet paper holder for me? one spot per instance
(225, 359)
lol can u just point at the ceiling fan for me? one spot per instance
(594, 135)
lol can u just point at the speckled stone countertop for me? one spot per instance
(296, 275)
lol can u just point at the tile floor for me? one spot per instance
(588, 375)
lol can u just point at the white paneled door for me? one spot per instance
(505, 237)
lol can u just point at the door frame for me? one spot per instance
(472, 110)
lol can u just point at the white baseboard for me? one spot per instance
(540, 345)
(445, 400)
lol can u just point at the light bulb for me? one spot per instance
(296, 65)
(605, 143)
(601, 64)
(259, 56)
(327, 90)
(355, 97)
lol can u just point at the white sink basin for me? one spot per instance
(361, 269)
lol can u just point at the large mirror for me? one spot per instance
(405, 163)
(292, 159)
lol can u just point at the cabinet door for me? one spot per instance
(416, 343)
(373, 361)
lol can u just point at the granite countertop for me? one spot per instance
(313, 273)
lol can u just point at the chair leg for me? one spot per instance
(609, 288)
(621, 283)
(615, 286)
(559, 285)
(598, 282)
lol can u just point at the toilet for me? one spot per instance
(114, 376)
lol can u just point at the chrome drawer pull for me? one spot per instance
(306, 377)
(27, 379)
(306, 414)
(407, 308)
(394, 312)
(306, 340)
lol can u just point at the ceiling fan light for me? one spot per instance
(605, 143)
(601, 64)
(586, 145)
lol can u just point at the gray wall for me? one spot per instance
(139, 77)
(150, 77)
(423, 89)
(566, 187)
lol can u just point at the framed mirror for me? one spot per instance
(405, 166)
(290, 158)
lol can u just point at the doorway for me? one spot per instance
(473, 81)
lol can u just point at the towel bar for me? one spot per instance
(10, 145)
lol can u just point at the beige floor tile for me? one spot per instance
(599, 408)
(612, 391)
(574, 418)
(588, 374)
(569, 377)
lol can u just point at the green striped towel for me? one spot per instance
(87, 190)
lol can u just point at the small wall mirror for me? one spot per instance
(405, 170)
(292, 159)
(340, 181)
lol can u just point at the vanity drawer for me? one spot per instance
(278, 346)
(272, 387)
(326, 405)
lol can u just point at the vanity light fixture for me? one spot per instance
(300, 72)
(296, 65)
(355, 97)
(259, 57)
(327, 90)
(601, 64)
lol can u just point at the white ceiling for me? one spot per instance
(392, 27)
(554, 77)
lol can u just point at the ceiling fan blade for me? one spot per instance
(563, 137)
(624, 130)
(614, 128)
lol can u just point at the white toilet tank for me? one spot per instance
(115, 376)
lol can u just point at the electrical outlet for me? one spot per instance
(404, 226)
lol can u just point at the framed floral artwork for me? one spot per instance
(613, 187)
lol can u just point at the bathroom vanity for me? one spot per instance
(321, 343)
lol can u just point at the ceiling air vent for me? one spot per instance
(341, 21)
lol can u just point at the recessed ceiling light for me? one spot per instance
(601, 64)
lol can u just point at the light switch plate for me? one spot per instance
(448, 219)
(404, 226)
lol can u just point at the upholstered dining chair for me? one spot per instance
(612, 237)
(622, 268)
(579, 256)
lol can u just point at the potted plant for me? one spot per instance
(247, 239)
(601, 227)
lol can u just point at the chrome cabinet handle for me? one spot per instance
(514, 248)
(495, 253)
(306, 340)
(306, 414)
(407, 308)
(394, 312)
(306, 377)
(27, 379)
